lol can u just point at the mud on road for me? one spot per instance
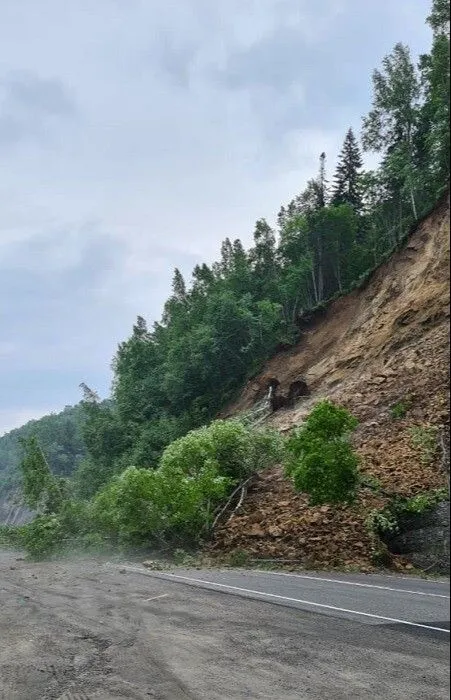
(88, 630)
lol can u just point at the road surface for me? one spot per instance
(91, 629)
(419, 604)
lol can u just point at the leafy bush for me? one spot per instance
(175, 503)
(387, 520)
(159, 506)
(400, 409)
(382, 522)
(52, 532)
(319, 456)
(43, 536)
(234, 449)
(424, 439)
(90, 476)
(423, 502)
(11, 536)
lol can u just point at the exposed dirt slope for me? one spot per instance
(384, 343)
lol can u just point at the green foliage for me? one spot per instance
(423, 502)
(59, 517)
(320, 459)
(11, 536)
(43, 536)
(37, 479)
(234, 449)
(400, 409)
(175, 503)
(382, 522)
(386, 522)
(161, 507)
(347, 186)
(425, 440)
(390, 126)
(53, 532)
(433, 137)
(60, 436)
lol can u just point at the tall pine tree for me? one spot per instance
(347, 186)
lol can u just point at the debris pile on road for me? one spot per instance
(276, 522)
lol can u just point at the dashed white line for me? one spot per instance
(156, 597)
(310, 603)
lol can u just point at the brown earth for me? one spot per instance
(382, 344)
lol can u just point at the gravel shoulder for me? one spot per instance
(87, 629)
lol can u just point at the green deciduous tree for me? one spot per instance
(319, 456)
(433, 139)
(390, 126)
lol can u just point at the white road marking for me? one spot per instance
(350, 583)
(291, 600)
(156, 597)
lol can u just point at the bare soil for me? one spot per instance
(383, 345)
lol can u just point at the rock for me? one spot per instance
(379, 380)
(256, 531)
(275, 531)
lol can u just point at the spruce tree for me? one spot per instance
(347, 188)
(178, 286)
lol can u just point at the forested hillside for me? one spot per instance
(143, 473)
(60, 437)
(218, 329)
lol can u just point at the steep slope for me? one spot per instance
(385, 343)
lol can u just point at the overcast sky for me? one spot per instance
(135, 135)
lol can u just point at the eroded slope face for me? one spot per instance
(366, 334)
(381, 345)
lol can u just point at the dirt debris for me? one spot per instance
(381, 346)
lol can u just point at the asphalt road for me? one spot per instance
(371, 599)
(92, 629)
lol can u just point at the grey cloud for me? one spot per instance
(38, 94)
(275, 61)
(175, 58)
(313, 71)
(175, 125)
(28, 104)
